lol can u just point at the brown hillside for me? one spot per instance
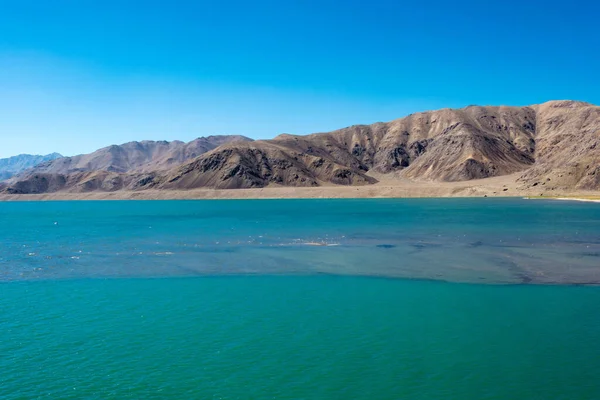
(552, 144)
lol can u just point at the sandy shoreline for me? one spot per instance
(388, 187)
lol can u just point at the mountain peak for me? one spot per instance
(14, 165)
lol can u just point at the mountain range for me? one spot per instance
(12, 166)
(555, 143)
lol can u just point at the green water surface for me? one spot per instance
(300, 299)
(297, 337)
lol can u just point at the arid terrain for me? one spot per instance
(505, 186)
(551, 149)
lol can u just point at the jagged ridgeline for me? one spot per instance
(557, 141)
(12, 166)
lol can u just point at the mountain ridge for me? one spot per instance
(14, 165)
(549, 144)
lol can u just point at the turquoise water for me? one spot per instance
(291, 299)
(464, 240)
(297, 337)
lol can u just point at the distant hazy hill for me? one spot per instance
(14, 165)
(556, 144)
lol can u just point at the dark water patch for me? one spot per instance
(425, 245)
(386, 246)
(514, 268)
(213, 249)
(586, 241)
(507, 245)
(594, 254)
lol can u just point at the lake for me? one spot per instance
(300, 299)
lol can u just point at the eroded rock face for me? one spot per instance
(39, 183)
(257, 164)
(555, 143)
(567, 152)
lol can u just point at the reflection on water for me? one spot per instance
(482, 240)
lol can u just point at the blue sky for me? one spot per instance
(78, 75)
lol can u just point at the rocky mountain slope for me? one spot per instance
(567, 152)
(445, 145)
(142, 156)
(552, 144)
(114, 167)
(14, 165)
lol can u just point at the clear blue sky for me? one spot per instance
(78, 75)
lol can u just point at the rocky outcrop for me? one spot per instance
(567, 146)
(259, 164)
(38, 183)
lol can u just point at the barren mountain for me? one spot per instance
(114, 167)
(447, 145)
(553, 144)
(142, 156)
(14, 165)
(567, 146)
(450, 145)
